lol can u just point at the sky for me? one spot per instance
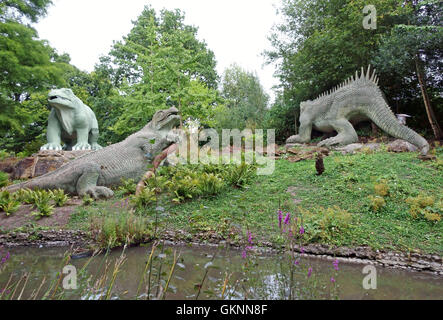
(235, 30)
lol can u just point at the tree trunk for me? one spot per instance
(430, 112)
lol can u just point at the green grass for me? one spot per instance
(347, 183)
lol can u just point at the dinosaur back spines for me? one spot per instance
(359, 78)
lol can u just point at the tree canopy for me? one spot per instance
(322, 42)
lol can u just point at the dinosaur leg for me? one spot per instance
(94, 135)
(304, 135)
(53, 134)
(346, 134)
(87, 183)
(82, 140)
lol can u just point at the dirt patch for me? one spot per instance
(293, 192)
(24, 217)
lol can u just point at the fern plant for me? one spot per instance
(8, 204)
(59, 197)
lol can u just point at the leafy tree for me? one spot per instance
(28, 66)
(415, 51)
(246, 100)
(322, 42)
(17, 10)
(161, 63)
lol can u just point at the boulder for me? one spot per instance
(41, 163)
(355, 147)
(401, 146)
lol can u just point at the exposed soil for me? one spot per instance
(23, 217)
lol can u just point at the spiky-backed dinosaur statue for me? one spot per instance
(357, 99)
(95, 172)
(70, 121)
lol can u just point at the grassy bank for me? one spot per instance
(367, 199)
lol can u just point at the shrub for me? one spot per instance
(59, 197)
(425, 207)
(325, 225)
(114, 229)
(382, 188)
(239, 176)
(210, 184)
(87, 200)
(42, 199)
(377, 203)
(8, 204)
(25, 196)
(4, 179)
(127, 187)
(147, 197)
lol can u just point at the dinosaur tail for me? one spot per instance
(383, 117)
(36, 183)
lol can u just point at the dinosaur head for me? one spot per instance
(62, 99)
(64, 102)
(165, 119)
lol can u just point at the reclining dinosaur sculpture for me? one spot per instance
(95, 172)
(353, 101)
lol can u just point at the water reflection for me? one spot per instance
(229, 276)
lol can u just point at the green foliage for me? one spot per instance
(246, 100)
(59, 197)
(239, 175)
(29, 67)
(146, 197)
(329, 225)
(425, 207)
(114, 229)
(320, 43)
(159, 64)
(87, 200)
(42, 202)
(377, 203)
(4, 179)
(8, 204)
(19, 9)
(127, 187)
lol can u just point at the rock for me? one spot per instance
(8, 165)
(293, 145)
(350, 148)
(401, 146)
(353, 148)
(43, 162)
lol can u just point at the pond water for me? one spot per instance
(262, 277)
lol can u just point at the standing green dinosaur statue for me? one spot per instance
(353, 101)
(70, 121)
(95, 172)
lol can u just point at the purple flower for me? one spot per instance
(302, 250)
(296, 262)
(250, 238)
(332, 280)
(302, 230)
(335, 263)
(288, 219)
(280, 218)
(5, 258)
(244, 254)
(309, 272)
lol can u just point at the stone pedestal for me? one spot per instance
(40, 163)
